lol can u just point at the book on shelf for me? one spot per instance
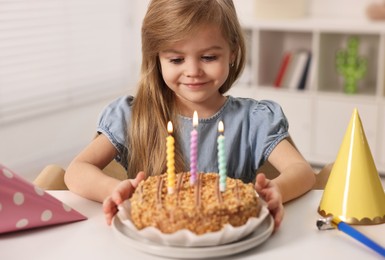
(294, 69)
(303, 82)
(286, 78)
(298, 69)
(282, 69)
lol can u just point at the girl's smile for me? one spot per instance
(194, 86)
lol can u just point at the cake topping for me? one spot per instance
(200, 208)
(237, 191)
(159, 189)
(217, 190)
(178, 187)
(198, 190)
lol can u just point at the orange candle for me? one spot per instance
(170, 141)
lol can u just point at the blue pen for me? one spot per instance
(329, 222)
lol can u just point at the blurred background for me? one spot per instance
(62, 61)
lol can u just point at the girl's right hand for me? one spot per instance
(123, 191)
(271, 194)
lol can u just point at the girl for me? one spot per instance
(192, 52)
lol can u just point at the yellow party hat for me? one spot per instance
(354, 192)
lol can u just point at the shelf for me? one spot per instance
(319, 114)
(315, 25)
(330, 44)
(273, 46)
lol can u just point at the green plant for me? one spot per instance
(350, 66)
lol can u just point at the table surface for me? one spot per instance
(297, 238)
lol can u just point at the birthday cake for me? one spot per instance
(200, 208)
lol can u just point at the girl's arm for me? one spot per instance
(296, 178)
(296, 175)
(84, 175)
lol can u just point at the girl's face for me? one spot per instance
(196, 68)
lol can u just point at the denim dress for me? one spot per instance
(252, 130)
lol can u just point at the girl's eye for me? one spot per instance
(209, 58)
(176, 60)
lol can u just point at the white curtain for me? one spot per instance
(56, 54)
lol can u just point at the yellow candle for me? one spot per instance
(170, 159)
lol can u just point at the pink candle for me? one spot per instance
(194, 150)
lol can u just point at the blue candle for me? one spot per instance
(221, 157)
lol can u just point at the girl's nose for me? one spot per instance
(192, 69)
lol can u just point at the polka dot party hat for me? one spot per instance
(25, 206)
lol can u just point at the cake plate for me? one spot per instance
(132, 239)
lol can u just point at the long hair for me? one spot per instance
(167, 22)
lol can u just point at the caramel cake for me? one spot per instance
(200, 208)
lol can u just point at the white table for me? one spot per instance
(298, 237)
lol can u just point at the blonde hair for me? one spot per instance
(167, 22)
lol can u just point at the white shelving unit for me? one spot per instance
(319, 114)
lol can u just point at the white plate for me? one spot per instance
(261, 234)
(185, 237)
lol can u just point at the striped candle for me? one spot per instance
(221, 157)
(170, 160)
(194, 150)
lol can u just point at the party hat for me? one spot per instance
(25, 206)
(354, 192)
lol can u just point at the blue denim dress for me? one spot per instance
(252, 130)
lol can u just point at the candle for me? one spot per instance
(194, 150)
(221, 157)
(170, 159)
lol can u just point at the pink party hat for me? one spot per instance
(25, 206)
(353, 192)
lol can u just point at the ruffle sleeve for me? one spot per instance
(268, 127)
(113, 122)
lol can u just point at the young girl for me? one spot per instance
(192, 52)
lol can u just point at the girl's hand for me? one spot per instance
(271, 194)
(123, 191)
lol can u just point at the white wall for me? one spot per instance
(27, 146)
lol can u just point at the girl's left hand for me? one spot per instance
(271, 194)
(123, 191)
